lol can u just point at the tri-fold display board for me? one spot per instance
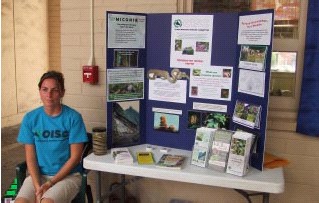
(169, 74)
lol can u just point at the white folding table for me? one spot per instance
(256, 182)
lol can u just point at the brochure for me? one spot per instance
(171, 161)
(122, 155)
(145, 158)
(247, 114)
(203, 141)
(220, 150)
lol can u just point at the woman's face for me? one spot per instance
(51, 93)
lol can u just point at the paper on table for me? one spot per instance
(272, 161)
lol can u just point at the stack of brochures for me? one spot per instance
(203, 142)
(220, 150)
(238, 160)
(122, 155)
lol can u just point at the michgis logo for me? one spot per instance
(51, 134)
(124, 19)
(178, 23)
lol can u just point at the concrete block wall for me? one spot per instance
(25, 56)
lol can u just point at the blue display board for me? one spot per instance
(226, 51)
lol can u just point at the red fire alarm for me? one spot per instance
(91, 74)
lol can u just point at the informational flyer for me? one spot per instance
(170, 111)
(255, 29)
(126, 31)
(163, 90)
(251, 82)
(209, 107)
(211, 83)
(125, 84)
(191, 41)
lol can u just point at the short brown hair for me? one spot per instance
(57, 76)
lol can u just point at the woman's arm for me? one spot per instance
(74, 160)
(32, 164)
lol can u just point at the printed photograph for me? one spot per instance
(238, 146)
(199, 155)
(256, 135)
(178, 45)
(253, 53)
(224, 93)
(125, 58)
(194, 119)
(166, 122)
(188, 51)
(227, 73)
(125, 123)
(125, 91)
(196, 72)
(215, 120)
(245, 111)
(194, 90)
(202, 46)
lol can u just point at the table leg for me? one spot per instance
(98, 186)
(265, 195)
(266, 198)
(123, 188)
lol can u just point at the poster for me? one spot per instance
(255, 29)
(163, 90)
(191, 41)
(126, 31)
(211, 83)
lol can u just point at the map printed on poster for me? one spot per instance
(191, 41)
(252, 82)
(126, 31)
(255, 29)
(211, 83)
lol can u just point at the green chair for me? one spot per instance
(85, 190)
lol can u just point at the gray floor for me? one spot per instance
(12, 153)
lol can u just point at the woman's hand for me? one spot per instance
(38, 194)
(42, 189)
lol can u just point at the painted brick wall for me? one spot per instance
(76, 50)
(54, 17)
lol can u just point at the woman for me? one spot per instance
(53, 135)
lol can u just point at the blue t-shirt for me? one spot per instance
(52, 137)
